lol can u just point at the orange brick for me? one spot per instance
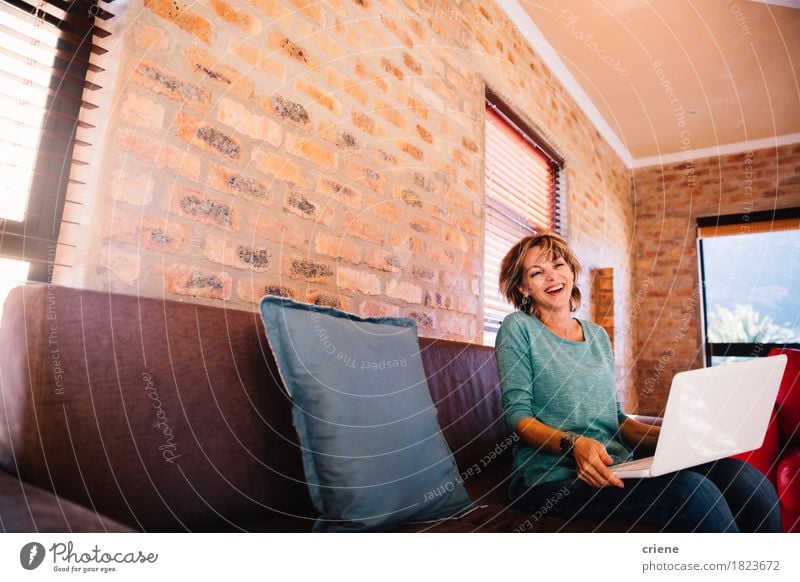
(362, 71)
(443, 256)
(363, 282)
(288, 110)
(366, 124)
(338, 192)
(204, 208)
(185, 280)
(240, 118)
(343, 83)
(278, 230)
(386, 210)
(470, 145)
(391, 114)
(261, 61)
(404, 240)
(232, 253)
(238, 18)
(142, 111)
(251, 288)
(279, 167)
(337, 301)
(126, 266)
(151, 232)
(297, 203)
(272, 8)
(412, 64)
(424, 134)
(470, 226)
(313, 271)
(160, 154)
(408, 196)
(391, 22)
(278, 41)
(456, 326)
(337, 247)
(131, 188)
(411, 150)
(390, 261)
(364, 229)
(424, 320)
(177, 12)
(318, 95)
(151, 38)
(378, 309)
(421, 225)
(417, 107)
(359, 175)
(408, 292)
(208, 67)
(195, 132)
(454, 280)
(224, 180)
(392, 69)
(311, 151)
(167, 84)
(310, 8)
(423, 273)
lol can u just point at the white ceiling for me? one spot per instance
(673, 80)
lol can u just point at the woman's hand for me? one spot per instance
(643, 436)
(592, 461)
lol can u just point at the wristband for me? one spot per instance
(567, 443)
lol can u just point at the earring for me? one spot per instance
(525, 301)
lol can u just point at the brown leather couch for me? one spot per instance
(122, 413)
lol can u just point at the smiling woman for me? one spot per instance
(558, 394)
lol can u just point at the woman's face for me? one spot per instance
(547, 279)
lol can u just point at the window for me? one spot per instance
(750, 266)
(47, 50)
(522, 189)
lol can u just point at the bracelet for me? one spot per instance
(567, 443)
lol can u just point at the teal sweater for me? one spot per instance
(564, 384)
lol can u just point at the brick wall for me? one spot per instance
(331, 152)
(666, 309)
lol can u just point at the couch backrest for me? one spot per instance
(464, 385)
(167, 415)
(161, 414)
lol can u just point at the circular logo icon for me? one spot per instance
(31, 555)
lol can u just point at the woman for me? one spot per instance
(557, 377)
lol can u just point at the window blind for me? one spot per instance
(48, 52)
(521, 174)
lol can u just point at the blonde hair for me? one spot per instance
(512, 269)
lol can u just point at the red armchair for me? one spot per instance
(779, 456)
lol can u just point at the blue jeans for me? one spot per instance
(724, 496)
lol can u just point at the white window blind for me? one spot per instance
(521, 199)
(48, 50)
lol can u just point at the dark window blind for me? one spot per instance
(521, 173)
(48, 49)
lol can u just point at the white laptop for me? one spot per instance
(712, 413)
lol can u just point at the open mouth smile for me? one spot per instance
(555, 289)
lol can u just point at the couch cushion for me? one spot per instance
(789, 479)
(373, 452)
(163, 415)
(26, 508)
(789, 395)
(464, 385)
